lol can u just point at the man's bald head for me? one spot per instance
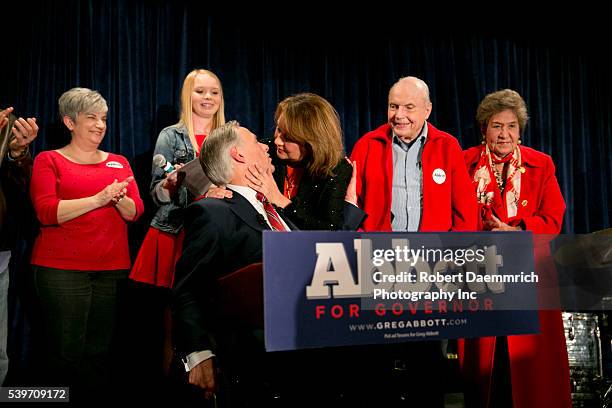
(409, 107)
(415, 83)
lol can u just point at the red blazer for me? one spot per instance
(445, 205)
(542, 206)
(539, 368)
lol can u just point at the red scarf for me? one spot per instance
(489, 194)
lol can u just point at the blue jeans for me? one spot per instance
(80, 311)
(5, 256)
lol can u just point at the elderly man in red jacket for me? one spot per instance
(412, 176)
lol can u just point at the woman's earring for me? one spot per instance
(519, 141)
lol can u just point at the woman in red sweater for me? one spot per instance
(84, 198)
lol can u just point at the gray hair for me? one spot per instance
(81, 100)
(214, 156)
(496, 102)
(418, 82)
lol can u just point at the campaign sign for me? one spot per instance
(325, 289)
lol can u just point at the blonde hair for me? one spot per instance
(185, 118)
(313, 123)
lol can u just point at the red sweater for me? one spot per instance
(448, 202)
(96, 240)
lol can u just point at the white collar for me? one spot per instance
(246, 192)
(251, 197)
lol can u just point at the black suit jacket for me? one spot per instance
(221, 236)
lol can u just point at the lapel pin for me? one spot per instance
(524, 203)
(522, 169)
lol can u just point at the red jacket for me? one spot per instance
(541, 205)
(539, 368)
(446, 205)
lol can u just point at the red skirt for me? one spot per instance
(157, 258)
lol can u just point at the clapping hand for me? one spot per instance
(24, 132)
(4, 116)
(114, 192)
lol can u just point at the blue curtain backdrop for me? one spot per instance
(136, 53)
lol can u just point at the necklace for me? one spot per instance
(501, 181)
(499, 176)
(292, 181)
(289, 186)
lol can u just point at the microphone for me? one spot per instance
(160, 161)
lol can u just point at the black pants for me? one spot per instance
(139, 343)
(79, 313)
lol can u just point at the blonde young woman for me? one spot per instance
(202, 110)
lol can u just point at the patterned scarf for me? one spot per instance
(490, 194)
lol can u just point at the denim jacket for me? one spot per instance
(174, 144)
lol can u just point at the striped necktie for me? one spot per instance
(273, 217)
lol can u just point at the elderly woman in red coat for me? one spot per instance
(516, 190)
